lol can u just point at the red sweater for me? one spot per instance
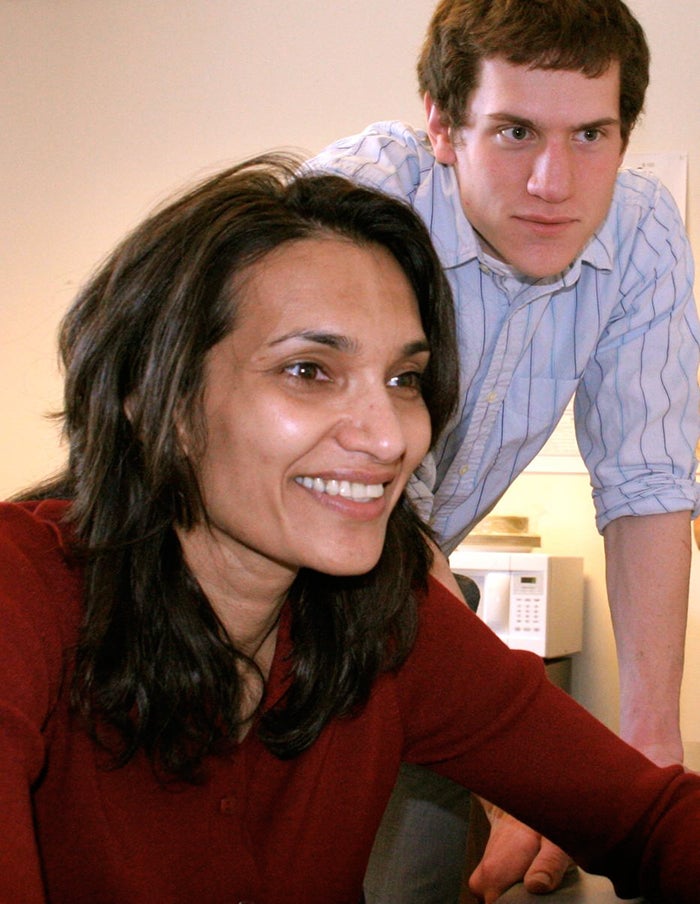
(300, 832)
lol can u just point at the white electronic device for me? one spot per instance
(532, 600)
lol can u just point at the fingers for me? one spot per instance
(516, 853)
(548, 869)
(511, 848)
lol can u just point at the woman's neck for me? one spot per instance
(245, 590)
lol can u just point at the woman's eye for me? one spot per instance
(305, 370)
(411, 379)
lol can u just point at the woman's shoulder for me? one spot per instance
(37, 570)
(41, 604)
(35, 512)
(35, 527)
(450, 631)
(439, 602)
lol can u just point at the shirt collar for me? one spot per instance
(600, 250)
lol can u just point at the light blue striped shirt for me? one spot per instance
(618, 328)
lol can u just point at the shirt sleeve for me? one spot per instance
(638, 406)
(493, 722)
(34, 603)
(388, 156)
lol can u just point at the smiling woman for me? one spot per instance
(220, 638)
(320, 385)
(190, 413)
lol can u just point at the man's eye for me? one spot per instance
(305, 370)
(516, 133)
(590, 135)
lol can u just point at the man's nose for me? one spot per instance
(552, 176)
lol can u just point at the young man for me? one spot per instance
(569, 280)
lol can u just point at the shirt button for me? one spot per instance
(463, 470)
(484, 268)
(492, 396)
(228, 805)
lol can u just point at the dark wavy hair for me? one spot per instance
(579, 35)
(154, 669)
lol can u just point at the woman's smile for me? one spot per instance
(358, 492)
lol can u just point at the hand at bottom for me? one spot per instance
(517, 853)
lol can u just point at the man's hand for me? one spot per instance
(516, 853)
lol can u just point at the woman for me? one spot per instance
(216, 655)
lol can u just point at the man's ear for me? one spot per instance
(438, 132)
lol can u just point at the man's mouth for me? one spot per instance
(547, 222)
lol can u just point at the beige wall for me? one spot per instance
(110, 106)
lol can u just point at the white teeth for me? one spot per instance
(358, 492)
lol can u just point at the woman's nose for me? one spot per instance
(372, 424)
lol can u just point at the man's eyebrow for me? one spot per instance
(517, 120)
(512, 118)
(598, 123)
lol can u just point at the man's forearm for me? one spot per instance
(647, 570)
